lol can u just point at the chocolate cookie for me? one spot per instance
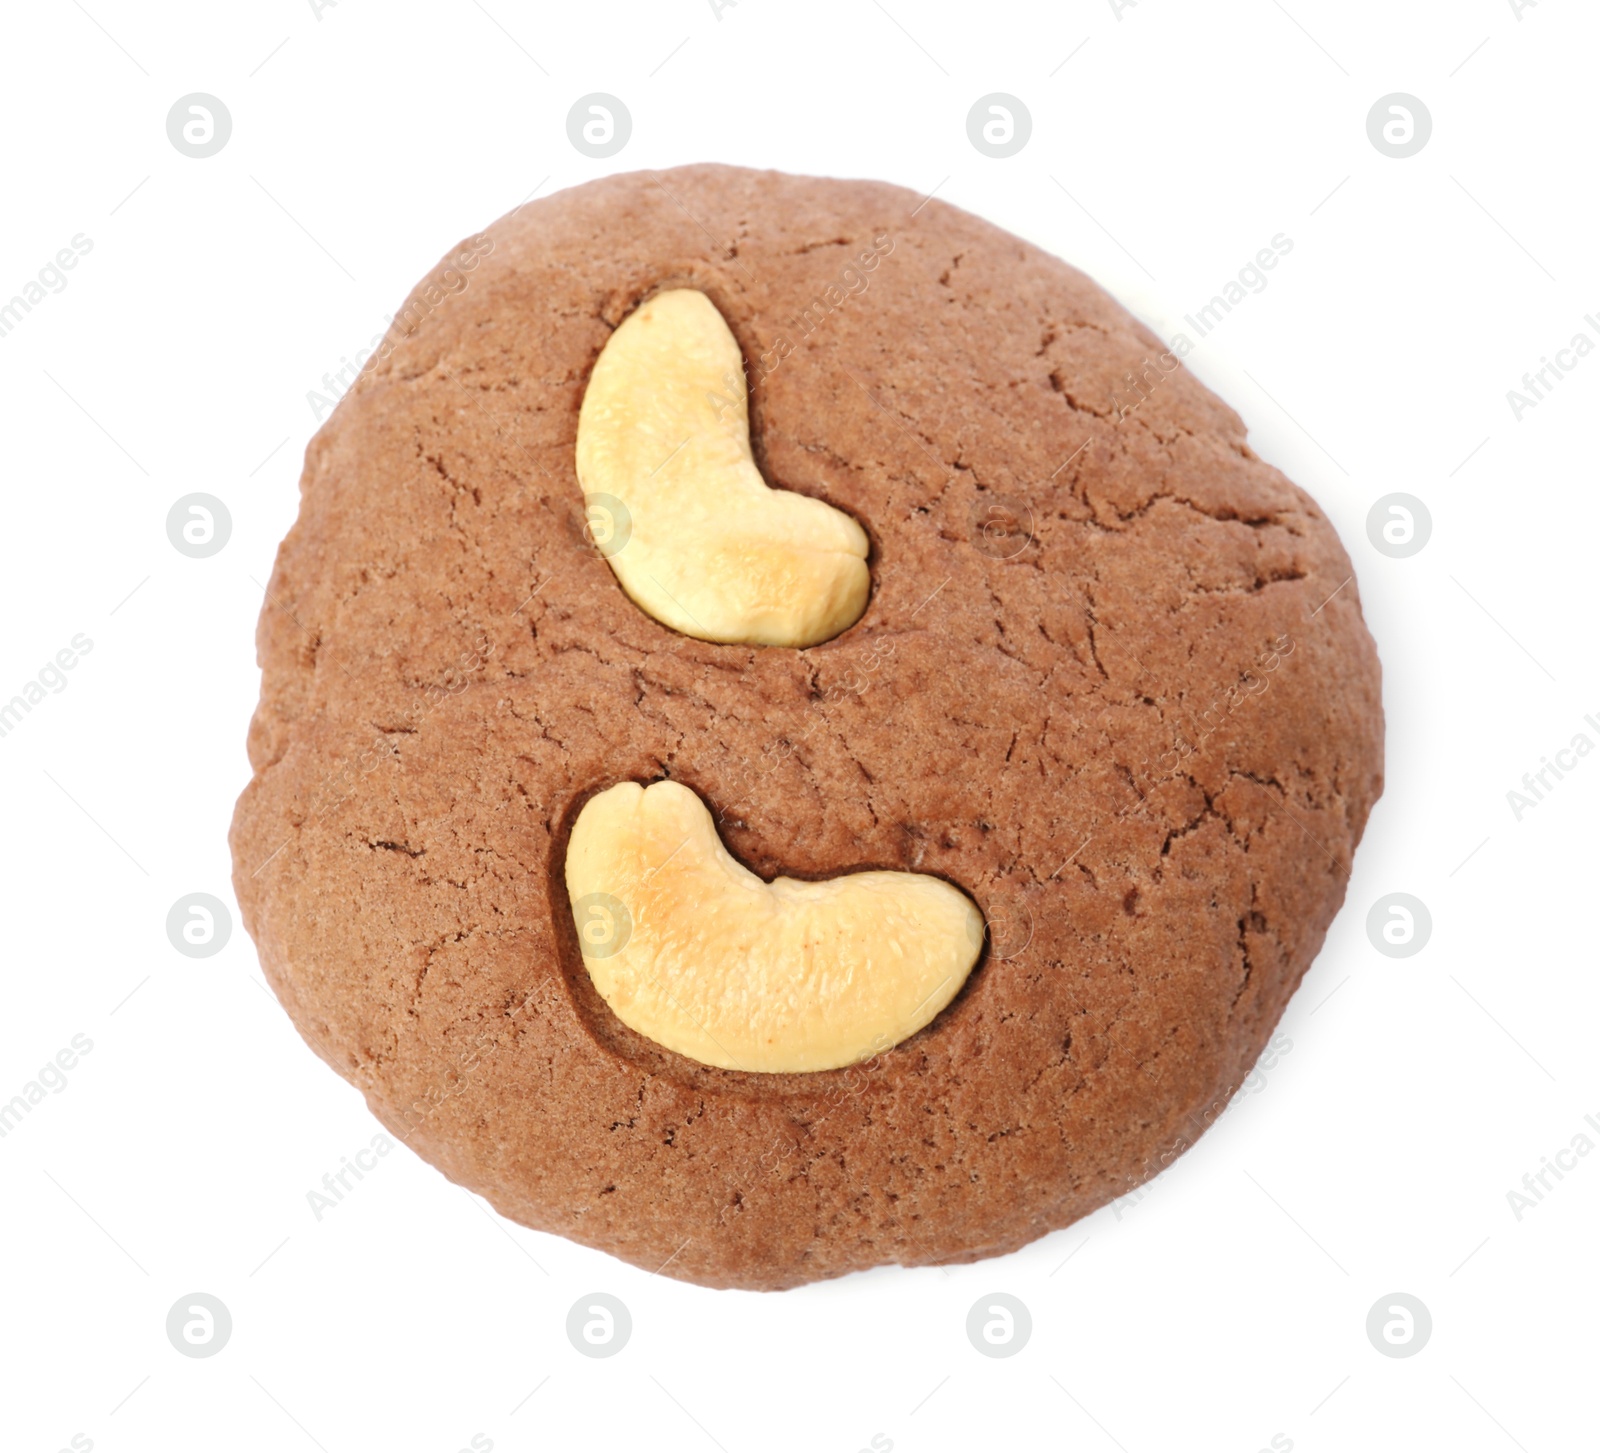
(1106, 683)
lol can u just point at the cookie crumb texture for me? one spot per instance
(1099, 696)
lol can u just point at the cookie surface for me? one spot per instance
(1100, 685)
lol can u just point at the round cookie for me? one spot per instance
(1106, 683)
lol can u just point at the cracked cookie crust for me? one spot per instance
(1140, 725)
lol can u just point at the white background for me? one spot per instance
(1228, 1304)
